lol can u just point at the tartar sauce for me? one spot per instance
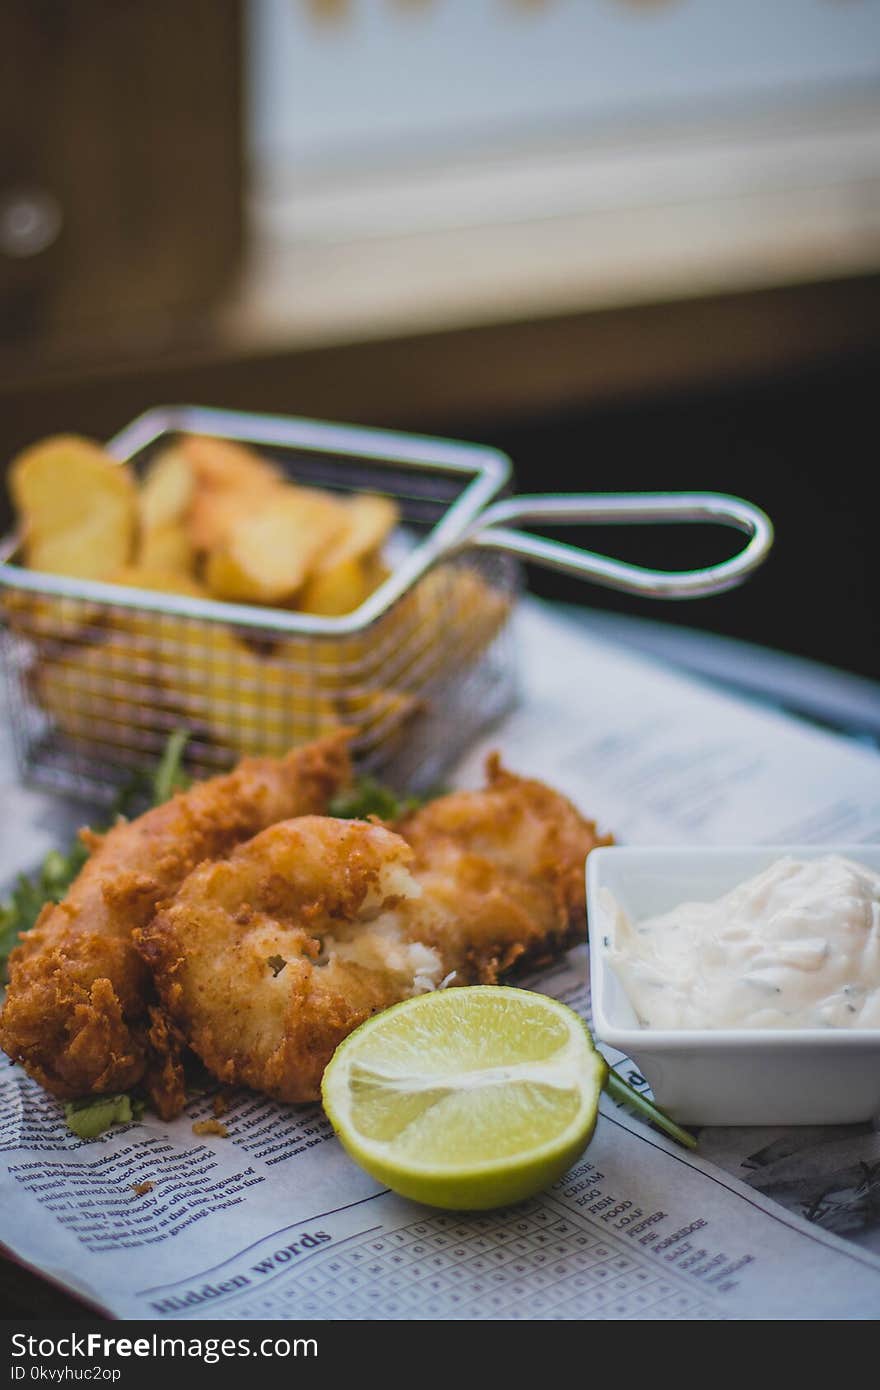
(798, 946)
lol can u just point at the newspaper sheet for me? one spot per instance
(274, 1221)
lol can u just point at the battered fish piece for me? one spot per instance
(79, 1012)
(503, 871)
(266, 960)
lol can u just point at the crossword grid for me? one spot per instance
(447, 1266)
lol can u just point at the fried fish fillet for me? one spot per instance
(78, 1011)
(503, 872)
(266, 959)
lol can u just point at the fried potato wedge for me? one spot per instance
(214, 519)
(370, 518)
(349, 570)
(269, 553)
(44, 616)
(166, 548)
(448, 619)
(260, 707)
(342, 589)
(91, 550)
(96, 693)
(167, 491)
(146, 667)
(161, 639)
(268, 713)
(332, 592)
(77, 505)
(231, 481)
(221, 463)
(54, 481)
(152, 636)
(159, 580)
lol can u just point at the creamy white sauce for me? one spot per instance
(798, 946)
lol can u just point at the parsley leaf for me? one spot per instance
(367, 797)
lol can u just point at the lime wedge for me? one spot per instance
(466, 1098)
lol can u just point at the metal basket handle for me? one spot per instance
(492, 532)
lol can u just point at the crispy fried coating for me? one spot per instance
(265, 960)
(77, 1013)
(502, 871)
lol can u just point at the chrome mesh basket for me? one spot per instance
(99, 674)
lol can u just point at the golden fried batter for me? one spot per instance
(503, 870)
(267, 959)
(77, 1009)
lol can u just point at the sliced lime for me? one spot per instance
(467, 1098)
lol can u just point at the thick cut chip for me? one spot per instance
(269, 553)
(253, 706)
(231, 481)
(159, 581)
(162, 646)
(91, 550)
(167, 491)
(332, 592)
(349, 569)
(45, 616)
(77, 505)
(221, 463)
(95, 693)
(166, 548)
(369, 520)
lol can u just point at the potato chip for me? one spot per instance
(167, 491)
(449, 618)
(38, 616)
(166, 548)
(170, 637)
(332, 592)
(269, 553)
(253, 707)
(230, 482)
(376, 570)
(159, 581)
(221, 463)
(217, 505)
(77, 506)
(369, 518)
(95, 692)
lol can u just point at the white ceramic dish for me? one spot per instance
(724, 1076)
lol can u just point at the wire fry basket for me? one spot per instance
(99, 674)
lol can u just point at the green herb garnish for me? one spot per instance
(624, 1094)
(49, 884)
(96, 1114)
(60, 867)
(169, 776)
(93, 1115)
(367, 797)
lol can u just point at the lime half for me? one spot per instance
(466, 1098)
